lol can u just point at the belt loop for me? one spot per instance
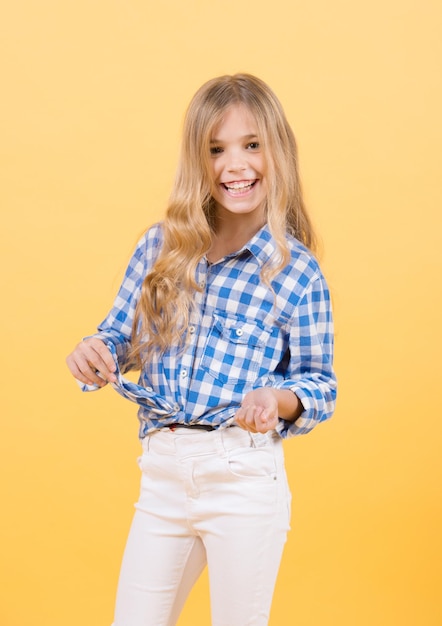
(219, 441)
(259, 440)
(228, 439)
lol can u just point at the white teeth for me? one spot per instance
(236, 186)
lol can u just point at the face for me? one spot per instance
(238, 166)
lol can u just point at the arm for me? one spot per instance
(262, 408)
(91, 361)
(305, 395)
(310, 373)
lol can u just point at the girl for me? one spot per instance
(226, 313)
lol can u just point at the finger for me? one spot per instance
(99, 366)
(104, 354)
(82, 376)
(266, 421)
(245, 418)
(255, 419)
(83, 372)
(90, 362)
(94, 353)
(239, 417)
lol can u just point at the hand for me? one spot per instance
(259, 411)
(90, 358)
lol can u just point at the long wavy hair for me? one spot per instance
(166, 300)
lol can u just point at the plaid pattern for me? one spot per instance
(241, 337)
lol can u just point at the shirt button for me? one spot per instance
(183, 373)
(149, 389)
(191, 329)
(176, 407)
(239, 332)
(202, 284)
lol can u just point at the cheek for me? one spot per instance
(215, 171)
(260, 165)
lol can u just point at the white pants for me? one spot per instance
(218, 498)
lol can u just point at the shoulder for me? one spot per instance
(150, 242)
(302, 260)
(146, 251)
(301, 274)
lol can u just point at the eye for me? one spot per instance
(253, 145)
(215, 150)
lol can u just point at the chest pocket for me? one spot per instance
(234, 349)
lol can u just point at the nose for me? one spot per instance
(236, 161)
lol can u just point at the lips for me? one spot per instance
(239, 186)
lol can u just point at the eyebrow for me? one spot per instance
(245, 137)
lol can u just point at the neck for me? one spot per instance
(231, 235)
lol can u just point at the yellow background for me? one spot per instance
(92, 99)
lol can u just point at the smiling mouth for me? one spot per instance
(239, 187)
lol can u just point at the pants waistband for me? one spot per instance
(173, 427)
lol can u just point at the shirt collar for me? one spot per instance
(262, 245)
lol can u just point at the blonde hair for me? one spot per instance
(166, 300)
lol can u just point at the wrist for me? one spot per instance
(289, 405)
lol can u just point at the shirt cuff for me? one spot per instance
(316, 408)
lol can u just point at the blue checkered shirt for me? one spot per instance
(239, 338)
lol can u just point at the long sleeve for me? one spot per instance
(309, 372)
(117, 325)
